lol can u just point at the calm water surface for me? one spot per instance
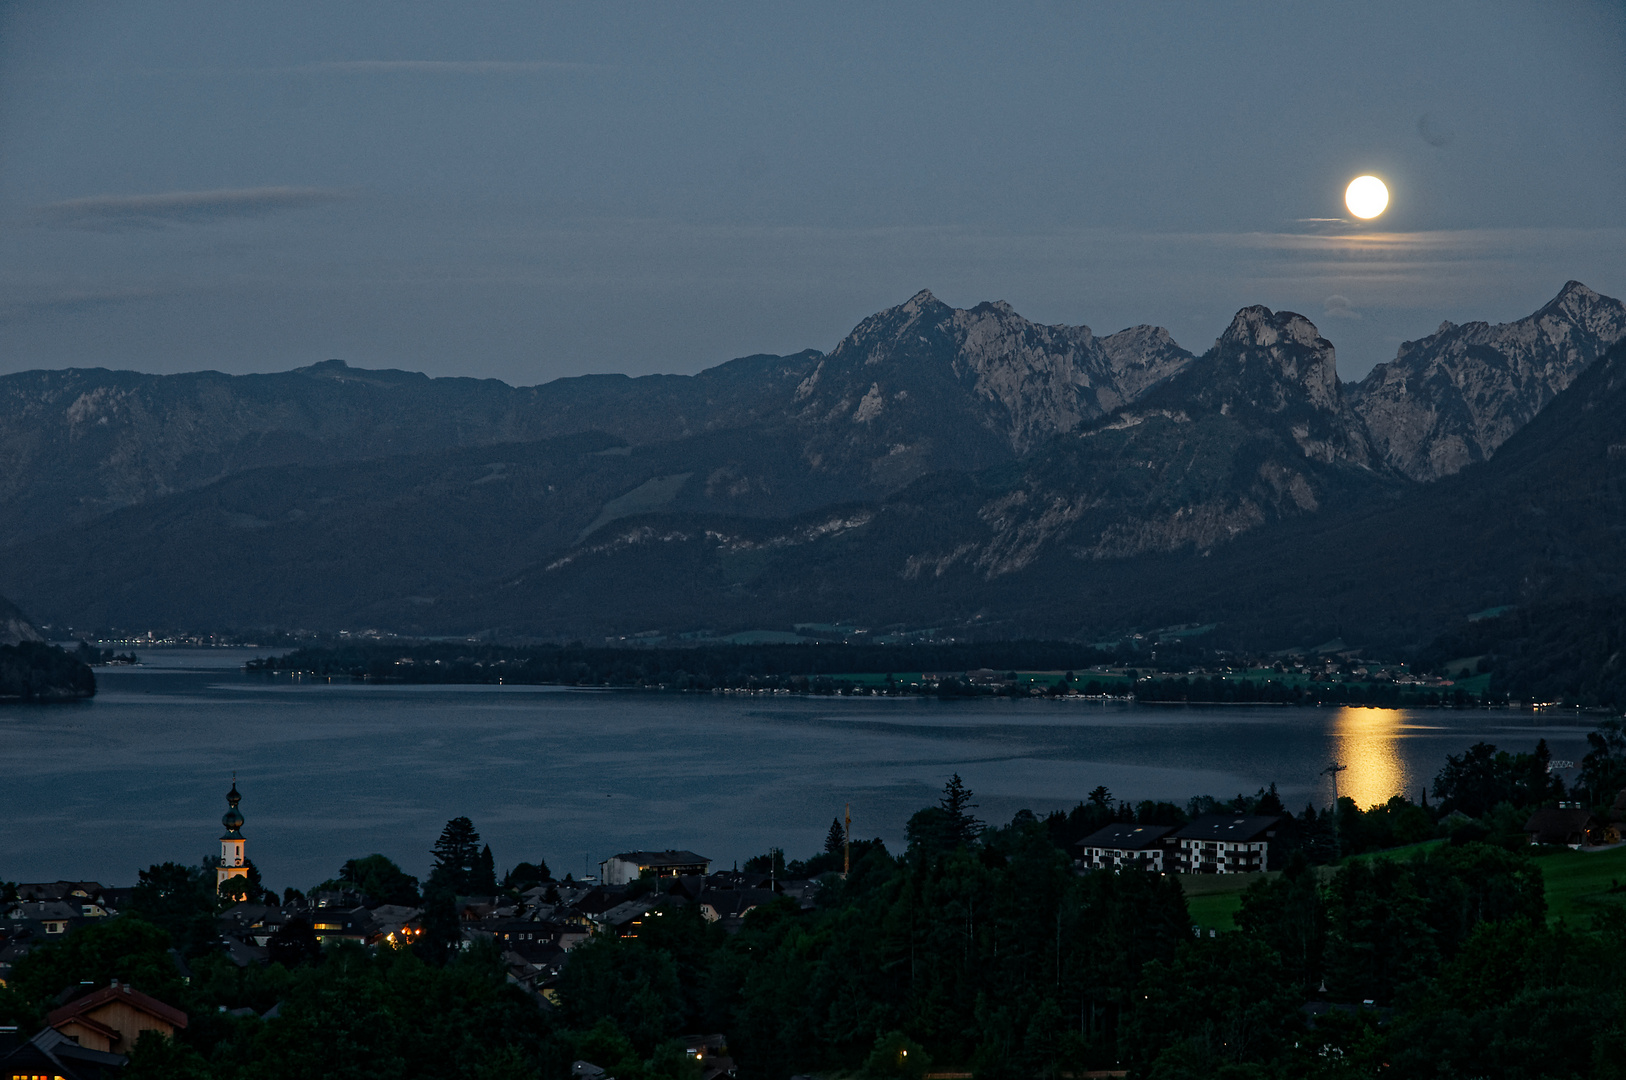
(332, 771)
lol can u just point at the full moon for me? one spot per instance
(1366, 197)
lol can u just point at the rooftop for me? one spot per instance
(662, 858)
(117, 992)
(1233, 827)
(1126, 837)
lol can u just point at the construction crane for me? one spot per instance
(847, 845)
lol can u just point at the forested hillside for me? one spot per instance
(34, 672)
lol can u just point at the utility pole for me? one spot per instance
(1333, 770)
(847, 845)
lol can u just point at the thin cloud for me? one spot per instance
(70, 301)
(1357, 241)
(328, 67)
(1339, 307)
(111, 213)
(438, 67)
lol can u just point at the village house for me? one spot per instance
(254, 923)
(1125, 846)
(730, 906)
(51, 1055)
(52, 917)
(631, 865)
(397, 924)
(523, 935)
(1567, 824)
(112, 1019)
(533, 952)
(535, 970)
(336, 925)
(711, 1051)
(627, 919)
(89, 897)
(1224, 844)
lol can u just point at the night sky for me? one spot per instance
(526, 191)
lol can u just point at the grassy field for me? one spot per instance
(1213, 899)
(1579, 883)
(1215, 911)
(1399, 852)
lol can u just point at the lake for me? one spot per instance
(330, 771)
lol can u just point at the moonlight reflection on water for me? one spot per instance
(1367, 743)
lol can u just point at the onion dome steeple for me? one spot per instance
(233, 863)
(233, 818)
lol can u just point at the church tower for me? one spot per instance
(232, 863)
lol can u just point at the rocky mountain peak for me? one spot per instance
(1258, 326)
(928, 383)
(1272, 375)
(1254, 430)
(1574, 292)
(1591, 312)
(1140, 358)
(894, 334)
(324, 368)
(1452, 398)
(921, 301)
(1282, 354)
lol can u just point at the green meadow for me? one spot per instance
(1579, 885)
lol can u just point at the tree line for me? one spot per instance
(701, 667)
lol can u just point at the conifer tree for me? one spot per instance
(484, 879)
(457, 858)
(836, 838)
(956, 801)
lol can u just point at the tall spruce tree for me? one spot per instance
(457, 859)
(956, 801)
(484, 880)
(836, 838)
(1603, 770)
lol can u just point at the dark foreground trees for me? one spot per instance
(979, 949)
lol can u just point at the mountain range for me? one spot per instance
(963, 470)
